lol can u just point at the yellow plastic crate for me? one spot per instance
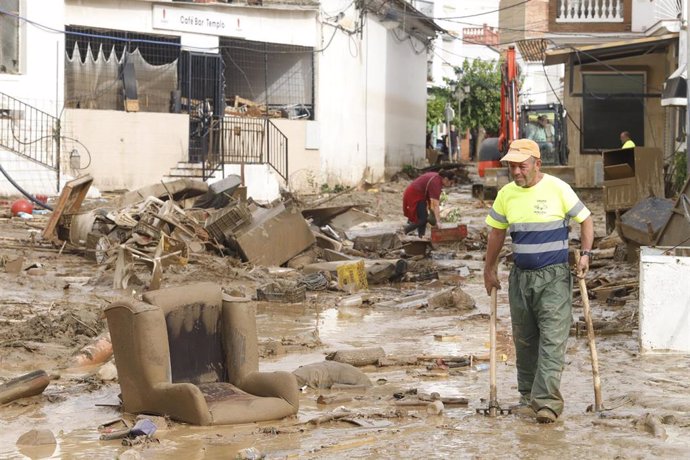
(352, 277)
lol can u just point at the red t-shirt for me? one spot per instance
(424, 188)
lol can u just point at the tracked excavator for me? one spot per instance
(544, 123)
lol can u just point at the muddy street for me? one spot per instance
(53, 309)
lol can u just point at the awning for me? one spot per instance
(613, 50)
(676, 88)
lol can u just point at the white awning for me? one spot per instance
(675, 91)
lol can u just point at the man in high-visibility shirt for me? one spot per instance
(536, 208)
(626, 141)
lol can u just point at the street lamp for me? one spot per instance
(450, 114)
(462, 92)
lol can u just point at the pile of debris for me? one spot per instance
(160, 226)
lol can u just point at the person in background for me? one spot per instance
(543, 133)
(536, 209)
(626, 142)
(454, 145)
(473, 143)
(421, 195)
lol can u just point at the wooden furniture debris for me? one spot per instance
(68, 203)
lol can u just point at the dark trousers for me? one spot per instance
(422, 219)
(541, 313)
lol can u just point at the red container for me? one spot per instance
(22, 206)
(448, 234)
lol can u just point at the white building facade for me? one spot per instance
(346, 90)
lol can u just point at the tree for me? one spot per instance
(482, 104)
(438, 96)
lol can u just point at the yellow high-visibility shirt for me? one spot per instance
(628, 144)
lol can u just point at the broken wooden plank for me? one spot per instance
(69, 202)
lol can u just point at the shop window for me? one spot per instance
(612, 103)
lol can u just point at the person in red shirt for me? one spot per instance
(423, 193)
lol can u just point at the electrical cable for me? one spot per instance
(567, 113)
(85, 148)
(421, 15)
(29, 196)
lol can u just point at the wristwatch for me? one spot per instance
(585, 252)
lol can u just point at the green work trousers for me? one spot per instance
(541, 313)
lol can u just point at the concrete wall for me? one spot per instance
(304, 164)
(535, 87)
(405, 103)
(28, 175)
(644, 15)
(292, 26)
(263, 184)
(657, 66)
(41, 64)
(370, 103)
(127, 150)
(41, 58)
(450, 52)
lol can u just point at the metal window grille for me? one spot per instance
(95, 75)
(279, 77)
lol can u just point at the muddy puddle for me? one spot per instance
(657, 383)
(76, 403)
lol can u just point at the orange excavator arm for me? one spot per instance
(508, 130)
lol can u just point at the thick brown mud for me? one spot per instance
(45, 319)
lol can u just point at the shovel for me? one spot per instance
(598, 403)
(494, 409)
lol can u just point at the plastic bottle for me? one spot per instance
(354, 300)
(481, 367)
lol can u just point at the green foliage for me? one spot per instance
(409, 170)
(480, 107)
(337, 188)
(453, 216)
(438, 96)
(680, 170)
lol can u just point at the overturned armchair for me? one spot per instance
(191, 353)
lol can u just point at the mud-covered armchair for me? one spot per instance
(191, 353)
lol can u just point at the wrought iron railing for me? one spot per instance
(244, 140)
(277, 149)
(30, 132)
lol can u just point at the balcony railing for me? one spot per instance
(589, 11)
(607, 16)
(485, 35)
